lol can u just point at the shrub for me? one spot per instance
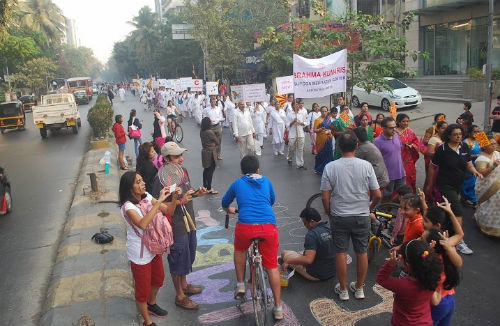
(475, 74)
(100, 116)
(495, 74)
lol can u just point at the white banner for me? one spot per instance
(320, 77)
(284, 84)
(197, 85)
(186, 82)
(177, 85)
(254, 92)
(237, 93)
(169, 83)
(156, 84)
(212, 88)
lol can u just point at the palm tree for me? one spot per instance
(145, 36)
(45, 17)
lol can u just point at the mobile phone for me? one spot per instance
(172, 188)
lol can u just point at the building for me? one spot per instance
(164, 7)
(70, 33)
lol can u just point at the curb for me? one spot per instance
(89, 280)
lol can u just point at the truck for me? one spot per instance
(56, 111)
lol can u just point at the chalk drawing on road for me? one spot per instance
(201, 233)
(217, 254)
(299, 232)
(246, 309)
(328, 313)
(205, 217)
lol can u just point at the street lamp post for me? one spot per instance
(489, 85)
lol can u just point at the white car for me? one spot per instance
(402, 94)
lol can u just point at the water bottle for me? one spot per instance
(107, 161)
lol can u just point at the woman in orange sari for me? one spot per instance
(409, 148)
(324, 148)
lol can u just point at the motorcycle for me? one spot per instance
(5, 193)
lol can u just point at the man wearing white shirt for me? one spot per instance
(340, 105)
(215, 114)
(244, 131)
(296, 120)
(288, 105)
(230, 108)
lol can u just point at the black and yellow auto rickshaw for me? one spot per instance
(29, 101)
(12, 116)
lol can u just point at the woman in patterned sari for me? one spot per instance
(488, 190)
(468, 189)
(343, 122)
(322, 128)
(409, 148)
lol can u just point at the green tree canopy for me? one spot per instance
(35, 74)
(17, 49)
(43, 16)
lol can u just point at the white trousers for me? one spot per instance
(279, 148)
(246, 145)
(259, 141)
(296, 148)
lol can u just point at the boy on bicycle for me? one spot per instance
(255, 197)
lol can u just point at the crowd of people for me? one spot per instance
(362, 162)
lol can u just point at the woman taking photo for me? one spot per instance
(135, 124)
(139, 208)
(453, 159)
(322, 128)
(409, 148)
(468, 190)
(209, 143)
(145, 166)
(488, 190)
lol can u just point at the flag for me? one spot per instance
(194, 73)
(150, 82)
(138, 76)
(393, 110)
(281, 99)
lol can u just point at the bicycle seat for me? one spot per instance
(258, 239)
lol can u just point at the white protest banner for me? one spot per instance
(237, 93)
(169, 83)
(186, 82)
(284, 84)
(156, 84)
(212, 88)
(320, 77)
(162, 82)
(197, 85)
(254, 92)
(177, 85)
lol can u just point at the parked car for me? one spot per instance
(81, 97)
(28, 102)
(5, 193)
(402, 94)
(95, 91)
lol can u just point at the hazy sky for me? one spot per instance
(101, 23)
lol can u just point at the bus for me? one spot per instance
(79, 83)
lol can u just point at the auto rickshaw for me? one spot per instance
(28, 102)
(12, 116)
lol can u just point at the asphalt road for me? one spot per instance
(42, 174)
(477, 296)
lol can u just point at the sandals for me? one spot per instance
(213, 192)
(192, 289)
(186, 303)
(124, 168)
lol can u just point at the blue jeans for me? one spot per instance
(442, 313)
(137, 142)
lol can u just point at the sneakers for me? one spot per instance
(343, 294)
(240, 291)
(152, 324)
(278, 313)
(358, 293)
(289, 162)
(155, 310)
(464, 249)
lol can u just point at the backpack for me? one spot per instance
(158, 236)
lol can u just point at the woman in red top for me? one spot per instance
(409, 148)
(377, 124)
(412, 293)
(120, 138)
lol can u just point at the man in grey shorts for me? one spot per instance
(346, 187)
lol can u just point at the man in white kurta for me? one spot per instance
(296, 120)
(277, 121)
(230, 107)
(244, 131)
(121, 92)
(259, 116)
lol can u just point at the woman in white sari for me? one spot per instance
(488, 190)
(278, 118)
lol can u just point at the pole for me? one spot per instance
(487, 102)
(8, 76)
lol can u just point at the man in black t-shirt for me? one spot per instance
(317, 263)
(495, 116)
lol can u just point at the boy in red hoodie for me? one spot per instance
(120, 138)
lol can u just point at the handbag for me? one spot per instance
(306, 129)
(102, 237)
(134, 131)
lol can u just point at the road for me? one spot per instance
(42, 174)
(477, 295)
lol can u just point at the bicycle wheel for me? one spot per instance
(373, 247)
(259, 297)
(178, 134)
(316, 202)
(388, 208)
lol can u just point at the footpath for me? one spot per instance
(90, 282)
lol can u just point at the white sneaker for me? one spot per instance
(343, 295)
(463, 248)
(358, 293)
(278, 313)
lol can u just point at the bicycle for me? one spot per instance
(380, 233)
(257, 280)
(176, 132)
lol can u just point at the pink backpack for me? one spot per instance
(158, 236)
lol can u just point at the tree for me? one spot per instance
(78, 61)
(145, 38)
(7, 8)
(43, 16)
(35, 74)
(124, 59)
(18, 49)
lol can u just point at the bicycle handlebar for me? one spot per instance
(226, 224)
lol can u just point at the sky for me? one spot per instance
(101, 23)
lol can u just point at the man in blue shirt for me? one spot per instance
(255, 197)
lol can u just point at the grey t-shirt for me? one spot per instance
(369, 152)
(350, 181)
(319, 239)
